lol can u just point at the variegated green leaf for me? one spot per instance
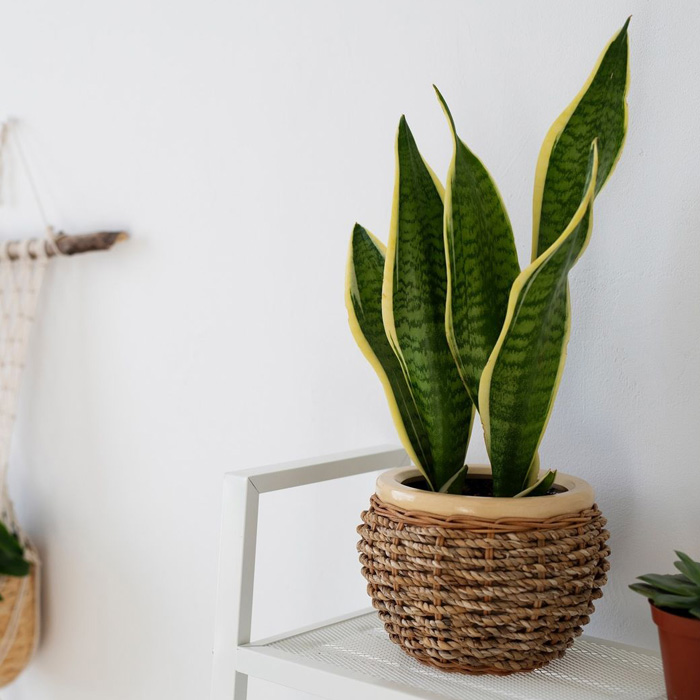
(599, 112)
(414, 297)
(482, 262)
(363, 298)
(521, 378)
(540, 487)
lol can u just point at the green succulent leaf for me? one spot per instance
(363, 296)
(670, 583)
(644, 589)
(522, 376)
(663, 598)
(666, 600)
(599, 112)
(413, 309)
(695, 612)
(676, 602)
(688, 567)
(482, 262)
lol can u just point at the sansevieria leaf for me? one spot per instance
(599, 112)
(521, 378)
(536, 485)
(482, 262)
(414, 298)
(363, 298)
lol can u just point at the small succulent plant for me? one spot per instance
(677, 593)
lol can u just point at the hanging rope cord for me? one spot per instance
(20, 283)
(22, 269)
(23, 266)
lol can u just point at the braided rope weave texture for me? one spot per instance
(483, 596)
(19, 624)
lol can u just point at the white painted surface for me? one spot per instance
(239, 142)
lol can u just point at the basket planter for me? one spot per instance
(19, 623)
(679, 637)
(478, 584)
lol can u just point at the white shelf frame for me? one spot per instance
(236, 658)
(233, 660)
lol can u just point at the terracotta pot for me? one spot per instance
(680, 651)
(476, 584)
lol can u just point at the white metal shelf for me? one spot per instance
(352, 657)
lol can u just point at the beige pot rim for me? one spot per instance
(391, 489)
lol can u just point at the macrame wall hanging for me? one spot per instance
(22, 268)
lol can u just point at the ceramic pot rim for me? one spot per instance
(391, 489)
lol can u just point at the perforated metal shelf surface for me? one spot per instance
(359, 649)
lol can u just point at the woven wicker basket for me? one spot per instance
(19, 623)
(484, 595)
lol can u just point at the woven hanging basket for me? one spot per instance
(472, 594)
(19, 621)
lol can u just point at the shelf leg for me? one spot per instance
(240, 686)
(234, 603)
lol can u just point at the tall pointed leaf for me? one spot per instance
(482, 262)
(599, 112)
(413, 305)
(363, 298)
(521, 378)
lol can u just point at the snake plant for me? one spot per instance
(445, 315)
(679, 593)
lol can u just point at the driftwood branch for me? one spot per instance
(102, 240)
(70, 245)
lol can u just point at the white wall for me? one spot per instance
(238, 142)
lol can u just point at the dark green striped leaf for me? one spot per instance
(540, 487)
(599, 112)
(365, 273)
(414, 298)
(521, 378)
(482, 262)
